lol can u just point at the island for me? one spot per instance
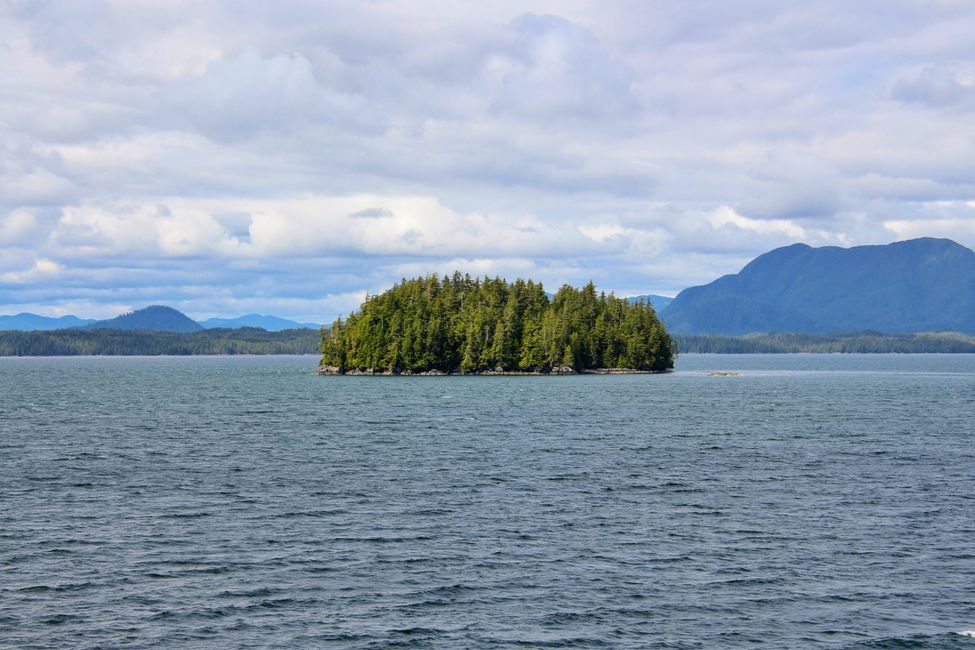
(463, 325)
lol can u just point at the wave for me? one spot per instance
(961, 640)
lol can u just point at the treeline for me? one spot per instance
(859, 342)
(107, 342)
(459, 323)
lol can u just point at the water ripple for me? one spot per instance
(244, 502)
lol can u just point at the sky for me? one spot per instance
(288, 157)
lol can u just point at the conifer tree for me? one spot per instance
(461, 323)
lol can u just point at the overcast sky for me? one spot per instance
(286, 157)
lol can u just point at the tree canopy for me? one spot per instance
(856, 342)
(75, 341)
(460, 323)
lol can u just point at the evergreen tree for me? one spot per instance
(467, 324)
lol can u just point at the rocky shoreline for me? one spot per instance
(497, 372)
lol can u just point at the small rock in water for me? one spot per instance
(562, 370)
(722, 373)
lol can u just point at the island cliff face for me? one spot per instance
(460, 324)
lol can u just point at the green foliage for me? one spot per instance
(70, 342)
(469, 324)
(861, 342)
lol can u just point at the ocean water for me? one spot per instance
(242, 502)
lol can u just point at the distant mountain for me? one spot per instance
(26, 322)
(910, 286)
(269, 323)
(659, 302)
(155, 317)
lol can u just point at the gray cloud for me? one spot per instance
(230, 157)
(938, 86)
(372, 213)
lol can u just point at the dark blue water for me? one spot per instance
(812, 501)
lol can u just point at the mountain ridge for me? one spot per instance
(26, 321)
(154, 317)
(160, 318)
(916, 285)
(263, 321)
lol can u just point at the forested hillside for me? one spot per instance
(154, 317)
(919, 285)
(462, 324)
(72, 342)
(860, 342)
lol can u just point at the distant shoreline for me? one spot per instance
(850, 343)
(256, 342)
(600, 371)
(135, 343)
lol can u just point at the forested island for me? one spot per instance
(113, 342)
(460, 324)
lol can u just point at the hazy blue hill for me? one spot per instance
(155, 317)
(659, 302)
(27, 322)
(911, 286)
(269, 323)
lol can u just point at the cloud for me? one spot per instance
(956, 222)
(306, 227)
(147, 230)
(248, 93)
(554, 68)
(725, 216)
(29, 177)
(937, 87)
(372, 213)
(42, 269)
(17, 227)
(222, 156)
(790, 185)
